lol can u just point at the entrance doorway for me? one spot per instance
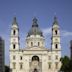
(35, 70)
(35, 58)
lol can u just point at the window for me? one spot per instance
(56, 65)
(21, 65)
(56, 32)
(31, 43)
(49, 66)
(56, 57)
(20, 57)
(49, 57)
(14, 65)
(38, 43)
(14, 32)
(56, 46)
(14, 46)
(13, 57)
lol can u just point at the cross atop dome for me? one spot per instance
(34, 19)
(35, 22)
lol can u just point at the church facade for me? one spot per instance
(35, 57)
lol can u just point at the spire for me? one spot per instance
(14, 21)
(55, 20)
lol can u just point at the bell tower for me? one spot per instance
(56, 45)
(55, 35)
(14, 36)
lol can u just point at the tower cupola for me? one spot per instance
(14, 21)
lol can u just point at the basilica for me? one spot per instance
(35, 57)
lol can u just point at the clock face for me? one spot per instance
(56, 39)
(14, 40)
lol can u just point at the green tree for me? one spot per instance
(7, 69)
(70, 65)
(66, 64)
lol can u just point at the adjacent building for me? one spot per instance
(35, 57)
(71, 49)
(1, 55)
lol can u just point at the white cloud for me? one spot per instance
(64, 33)
(47, 31)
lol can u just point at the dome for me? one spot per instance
(35, 30)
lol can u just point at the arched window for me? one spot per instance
(14, 32)
(31, 43)
(56, 32)
(20, 57)
(35, 58)
(56, 65)
(49, 65)
(38, 43)
(14, 46)
(56, 46)
(56, 57)
(14, 57)
(14, 65)
(49, 57)
(21, 65)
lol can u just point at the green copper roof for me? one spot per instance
(35, 30)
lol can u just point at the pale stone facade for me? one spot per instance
(35, 57)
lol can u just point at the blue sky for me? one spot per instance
(44, 10)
